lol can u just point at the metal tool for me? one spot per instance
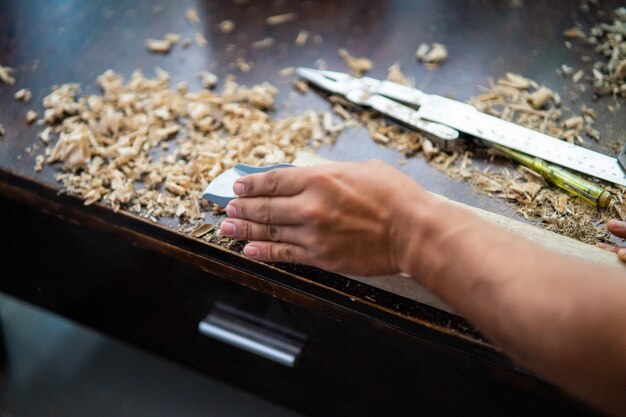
(443, 119)
(220, 190)
(562, 178)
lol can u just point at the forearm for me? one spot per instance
(560, 317)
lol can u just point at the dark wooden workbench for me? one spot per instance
(150, 285)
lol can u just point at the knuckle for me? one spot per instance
(288, 253)
(313, 214)
(246, 231)
(271, 232)
(264, 210)
(271, 182)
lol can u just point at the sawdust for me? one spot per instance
(151, 149)
(358, 65)
(280, 19)
(526, 191)
(609, 44)
(6, 75)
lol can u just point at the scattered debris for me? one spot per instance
(39, 162)
(191, 14)
(23, 95)
(208, 79)
(172, 38)
(434, 55)
(287, 71)
(302, 37)
(395, 74)
(202, 230)
(155, 157)
(6, 75)
(262, 44)
(301, 86)
(358, 65)
(200, 39)
(226, 26)
(1, 130)
(609, 42)
(280, 19)
(31, 116)
(160, 46)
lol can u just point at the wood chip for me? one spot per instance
(39, 162)
(540, 98)
(358, 65)
(6, 75)
(437, 55)
(208, 79)
(395, 74)
(202, 230)
(301, 86)
(421, 52)
(200, 39)
(280, 19)
(23, 95)
(191, 14)
(1, 130)
(302, 37)
(31, 116)
(574, 33)
(226, 26)
(262, 44)
(160, 46)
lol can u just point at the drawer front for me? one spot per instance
(315, 364)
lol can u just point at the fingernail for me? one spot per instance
(251, 251)
(231, 210)
(616, 224)
(239, 188)
(228, 228)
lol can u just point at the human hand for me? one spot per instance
(618, 228)
(347, 217)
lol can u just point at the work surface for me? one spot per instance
(52, 43)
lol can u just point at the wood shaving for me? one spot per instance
(159, 46)
(23, 95)
(208, 79)
(609, 43)
(434, 54)
(172, 38)
(262, 44)
(2, 131)
(280, 19)
(287, 71)
(358, 65)
(31, 116)
(395, 74)
(301, 86)
(6, 75)
(191, 14)
(39, 162)
(226, 26)
(302, 37)
(200, 39)
(145, 147)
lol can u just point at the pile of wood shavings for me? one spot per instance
(529, 194)
(609, 41)
(151, 149)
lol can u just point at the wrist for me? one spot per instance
(426, 238)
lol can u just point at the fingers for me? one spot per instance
(277, 182)
(277, 252)
(274, 210)
(606, 246)
(618, 228)
(621, 252)
(246, 230)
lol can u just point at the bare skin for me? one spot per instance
(560, 317)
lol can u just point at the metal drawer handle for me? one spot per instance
(253, 334)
